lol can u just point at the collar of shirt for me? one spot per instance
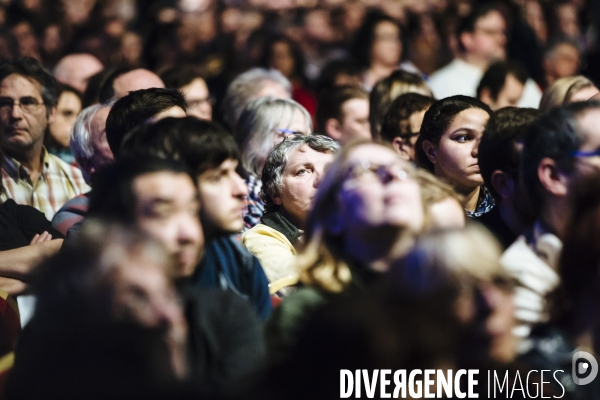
(18, 172)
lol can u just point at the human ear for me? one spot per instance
(401, 148)
(551, 178)
(486, 97)
(503, 184)
(430, 151)
(466, 39)
(51, 114)
(277, 200)
(333, 129)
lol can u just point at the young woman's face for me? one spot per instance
(379, 190)
(455, 156)
(387, 47)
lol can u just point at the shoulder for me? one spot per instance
(67, 169)
(261, 232)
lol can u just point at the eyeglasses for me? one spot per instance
(585, 153)
(27, 104)
(365, 170)
(287, 132)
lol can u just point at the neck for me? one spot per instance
(516, 221)
(556, 215)
(30, 158)
(471, 197)
(476, 61)
(378, 247)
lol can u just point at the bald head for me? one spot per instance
(75, 69)
(135, 80)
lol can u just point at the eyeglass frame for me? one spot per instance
(20, 103)
(365, 165)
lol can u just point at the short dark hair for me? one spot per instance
(201, 145)
(388, 89)
(396, 121)
(555, 135)
(137, 108)
(438, 118)
(179, 76)
(335, 68)
(113, 198)
(31, 68)
(495, 77)
(498, 147)
(331, 101)
(91, 95)
(467, 24)
(107, 90)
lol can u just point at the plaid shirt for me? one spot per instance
(254, 204)
(57, 183)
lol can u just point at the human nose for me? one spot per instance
(240, 188)
(188, 230)
(16, 110)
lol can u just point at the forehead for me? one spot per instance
(492, 18)
(305, 153)
(589, 124)
(198, 85)
(169, 186)
(99, 120)
(374, 153)
(16, 85)
(471, 118)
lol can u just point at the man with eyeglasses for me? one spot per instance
(560, 148)
(482, 40)
(31, 175)
(402, 123)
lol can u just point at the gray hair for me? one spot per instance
(80, 142)
(272, 176)
(245, 87)
(257, 129)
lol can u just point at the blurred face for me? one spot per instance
(282, 59)
(136, 80)
(23, 125)
(167, 209)
(589, 123)
(488, 39)
(273, 89)
(406, 146)
(564, 61)
(355, 123)
(455, 156)
(387, 47)
(300, 178)
(510, 94)
(67, 109)
(198, 99)
(379, 191)
(447, 214)
(223, 196)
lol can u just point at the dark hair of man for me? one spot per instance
(179, 76)
(201, 145)
(113, 198)
(333, 69)
(495, 77)
(498, 147)
(31, 68)
(437, 120)
(554, 135)
(107, 90)
(384, 92)
(396, 122)
(553, 44)
(137, 108)
(365, 36)
(467, 24)
(94, 84)
(332, 100)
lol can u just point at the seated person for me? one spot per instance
(289, 182)
(402, 123)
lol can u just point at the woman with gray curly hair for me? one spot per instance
(290, 178)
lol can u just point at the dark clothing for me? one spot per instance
(229, 266)
(20, 223)
(494, 222)
(281, 224)
(225, 341)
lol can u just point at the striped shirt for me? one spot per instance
(56, 184)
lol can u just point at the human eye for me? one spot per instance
(5, 102)
(302, 171)
(461, 138)
(29, 101)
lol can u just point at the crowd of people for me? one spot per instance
(241, 198)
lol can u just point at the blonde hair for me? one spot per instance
(433, 191)
(561, 91)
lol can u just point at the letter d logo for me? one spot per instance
(580, 369)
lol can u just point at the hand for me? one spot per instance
(39, 238)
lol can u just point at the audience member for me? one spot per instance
(264, 123)
(290, 178)
(75, 70)
(562, 58)
(30, 175)
(448, 147)
(124, 80)
(401, 124)
(502, 85)
(193, 86)
(443, 206)
(252, 84)
(68, 107)
(343, 114)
